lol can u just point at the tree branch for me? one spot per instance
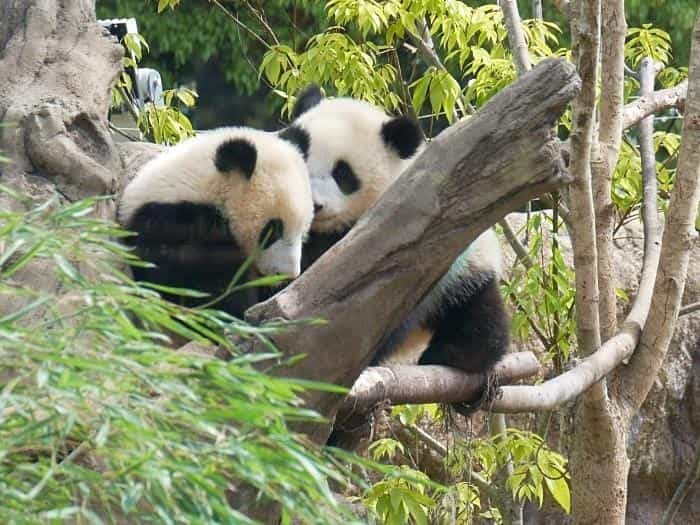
(647, 74)
(516, 37)
(520, 251)
(411, 385)
(606, 153)
(537, 9)
(689, 309)
(654, 103)
(467, 178)
(677, 242)
(637, 378)
(585, 30)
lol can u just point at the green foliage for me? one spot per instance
(135, 45)
(167, 124)
(461, 503)
(647, 41)
(164, 4)
(405, 496)
(374, 67)
(670, 76)
(100, 421)
(385, 448)
(412, 414)
(628, 188)
(536, 467)
(332, 58)
(543, 295)
(444, 92)
(400, 498)
(162, 124)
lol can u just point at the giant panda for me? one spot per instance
(202, 207)
(354, 152)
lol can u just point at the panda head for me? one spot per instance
(354, 152)
(256, 180)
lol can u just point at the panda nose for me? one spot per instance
(317, 207)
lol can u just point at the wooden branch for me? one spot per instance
(606, 153)
(585, 31)
(571, 384)
(537, 9)
(520, 251)
(689, 309)
(516, 37)
(636, 380)
(654, 103)
(647, 75)
(412, 385)
(467, 178)
(645, 362)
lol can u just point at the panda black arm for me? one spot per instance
(470, 332)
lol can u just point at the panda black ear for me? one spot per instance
(297, 136)
(310, 96)
(403, 134)
(236, 154)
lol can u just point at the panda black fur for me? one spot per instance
(354, 152)
(202, 207)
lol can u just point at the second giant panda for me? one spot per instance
(201, 208)
(354, 153)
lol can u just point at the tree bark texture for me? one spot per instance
(464, 181)
(661, 100)
(585, 32)
(408, 384)
(678, 238)
(516, 37)
(605, 154)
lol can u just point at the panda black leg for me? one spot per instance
(471, 333)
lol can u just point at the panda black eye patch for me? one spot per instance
(271, 233)
(345, 177)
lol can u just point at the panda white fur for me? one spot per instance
(201, 208)
(354, 153)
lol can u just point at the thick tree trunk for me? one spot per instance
(466, 179)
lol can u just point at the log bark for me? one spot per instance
(410, 384)
(469, 177)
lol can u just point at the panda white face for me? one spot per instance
(258, 181)
(355, 152)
